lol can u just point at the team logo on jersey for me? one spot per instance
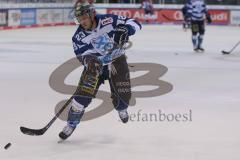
(102, 44)
(107, 21)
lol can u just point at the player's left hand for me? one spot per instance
(92, 63)
(121, 34)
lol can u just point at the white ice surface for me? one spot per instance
(206, 83)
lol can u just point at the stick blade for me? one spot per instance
(32, 132)
(225, 52)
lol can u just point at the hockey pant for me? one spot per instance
(117, 74)
(198, 30)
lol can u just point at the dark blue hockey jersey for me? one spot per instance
(95, 41)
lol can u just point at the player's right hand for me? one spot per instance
(92, 63)
(209, 19)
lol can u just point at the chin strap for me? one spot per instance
(91, 16)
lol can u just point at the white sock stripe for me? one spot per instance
(77, 107)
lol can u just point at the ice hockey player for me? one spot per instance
(84, 1)
(186, 20)
(197, 12)
(99, 45)
(148, 10)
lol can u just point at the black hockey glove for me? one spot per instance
(121, 35)
(209, 19)
(92, 64)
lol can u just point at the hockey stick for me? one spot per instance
(39, 132)
(225, 52)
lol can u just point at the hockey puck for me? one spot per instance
(224, 52)
(7, 146)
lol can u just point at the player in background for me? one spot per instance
(186, 20)
(148, 10)
(197, 12)
(84, 1)
(98, 44)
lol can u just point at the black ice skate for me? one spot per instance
(123, 114)
(66, 132)
(195, 49)
(200, 49)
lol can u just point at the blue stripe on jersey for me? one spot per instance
(197, 10)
